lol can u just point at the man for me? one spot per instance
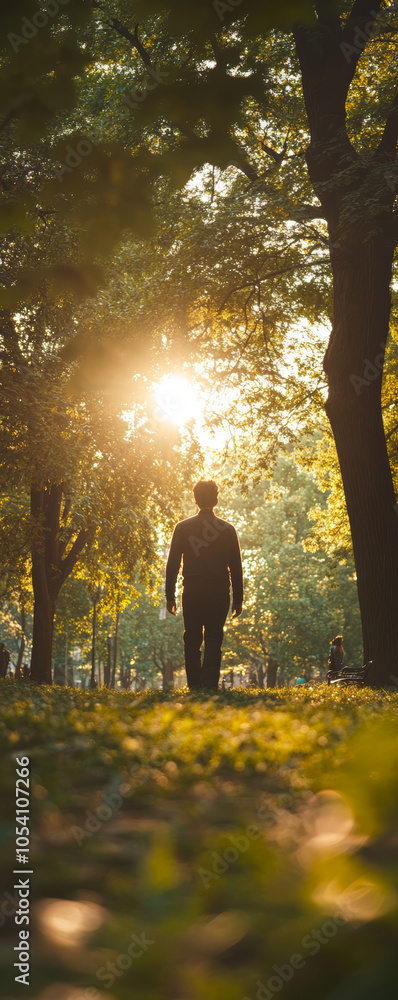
(212, 560)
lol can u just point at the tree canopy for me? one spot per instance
(202, 184)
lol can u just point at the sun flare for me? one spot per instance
(176, 401)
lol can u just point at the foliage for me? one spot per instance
(97, 481)
(296, 600)
(12, 631)
(73, 623)
(137, 802)
(152, 645)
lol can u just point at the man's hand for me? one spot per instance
(171, 607)
(236, 610)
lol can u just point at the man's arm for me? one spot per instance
(235, 567)
(172, 569)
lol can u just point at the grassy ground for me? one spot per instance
(188, 847)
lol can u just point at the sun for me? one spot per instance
(175, 400)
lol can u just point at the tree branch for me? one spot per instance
(133, 39)
(310, 212)
(278, 157)
(392, 431)
(247, 169)
(362, 12)
(271, 274)
(68, 563)
(53, 498)
(389, 139)
(395, 227)
(124, 32)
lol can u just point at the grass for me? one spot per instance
(224, 832)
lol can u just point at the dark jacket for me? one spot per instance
(336, 656)
(211, 555)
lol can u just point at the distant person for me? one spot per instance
(212, 560)
(25, 672)
(336, 654)
(4, 660)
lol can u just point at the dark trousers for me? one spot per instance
(204, 612)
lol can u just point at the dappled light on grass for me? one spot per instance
(66, 922)
(330, 824)
(218, 933)
(223, 831)
(363, 900)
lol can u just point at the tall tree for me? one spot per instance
(357, 200)
(95, 483)
(219, 84)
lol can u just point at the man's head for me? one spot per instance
(206, 493)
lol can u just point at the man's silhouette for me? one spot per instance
(211, 561)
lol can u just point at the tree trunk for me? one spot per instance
(66, 661)
(22, 644)
(168, 675)
(357, 202)
(271, 672)
(43, 624)
(92, 678)
(261, 675)
(353, 363)
(115, 648)
(51, 566)
(107, 666)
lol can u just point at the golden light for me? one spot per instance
(176, 401)
(363, 900)
(67, 922)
